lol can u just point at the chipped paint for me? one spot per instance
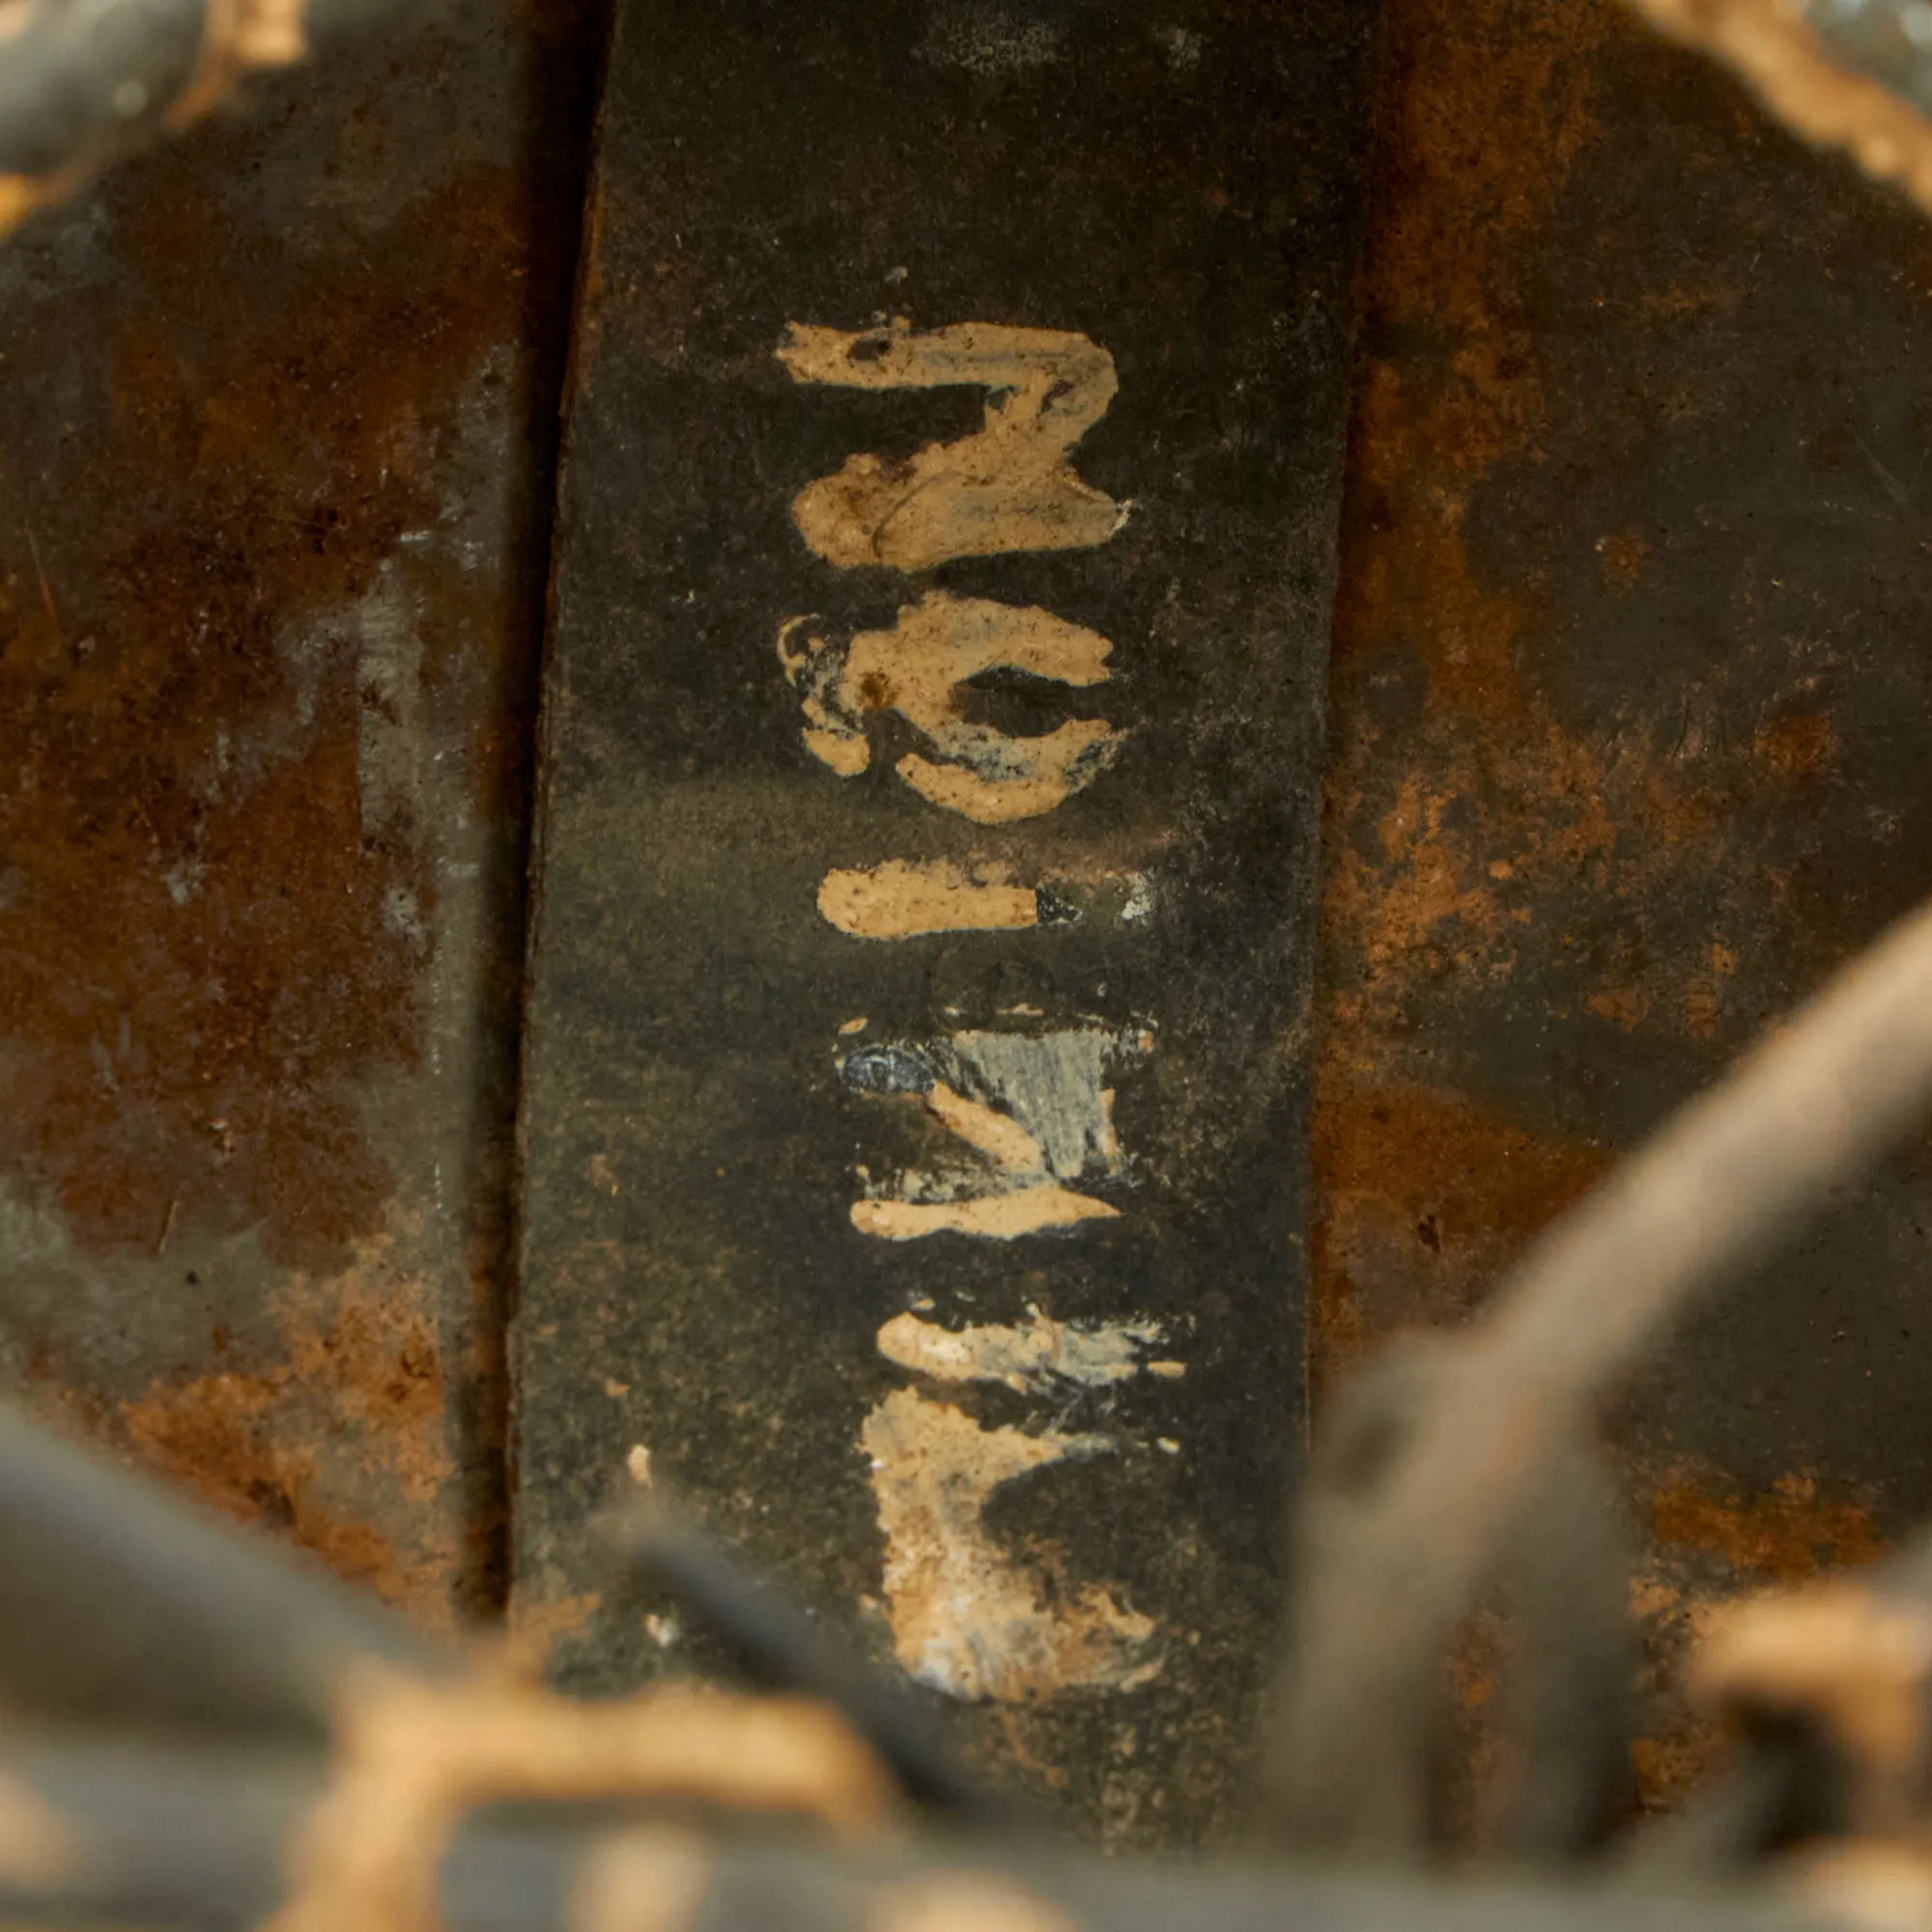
(1009, 486)
(1046, 1121)
(1055, 1084)
(1030, 1357)
(903, 899)
(967, 1619)
(921, 669)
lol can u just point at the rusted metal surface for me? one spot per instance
(1627, 694)
(274, 409)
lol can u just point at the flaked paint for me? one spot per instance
(1055, 1085)
(1009, 487)
(1046, 1122)
(1031, 1356)
(922, 668)
(966, 1618)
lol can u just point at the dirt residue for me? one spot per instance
(360, 1359)
(1424, 1199)
(210, 946)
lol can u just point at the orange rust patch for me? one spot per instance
(1622, 1005)
(1669, 1767)
(538, 1628)
(1798, 747)
(1485, 107)
(1424, 1199)
(204, 967)
(1785, 1536)
(1711, 1545)
(361, 1360)
(1449, 833)
(1683, 1743)
(1624, 558)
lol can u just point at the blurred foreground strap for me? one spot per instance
(1840, 73)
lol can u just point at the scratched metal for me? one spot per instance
(717, 1074)
(1628, 744)
(273, 411)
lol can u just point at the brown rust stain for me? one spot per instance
(1431, 847)
(358, 1359)
(1449, 833)
(537, 1629)
(1783, 1536)
(1455, 823)
(1472, 799)
(1625, 557)
(1798, 745)
(1424, 1199)
(1670, 1766)
(202, 968)
(1710, 1543)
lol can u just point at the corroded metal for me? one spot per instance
(1625, 747)
(274, 408)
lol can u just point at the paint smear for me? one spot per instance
(966, 1619)
(908, 898)
(921, 669)
(903, 899)
(1008, 487)
(1030, 1357)
(1022, 1210)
